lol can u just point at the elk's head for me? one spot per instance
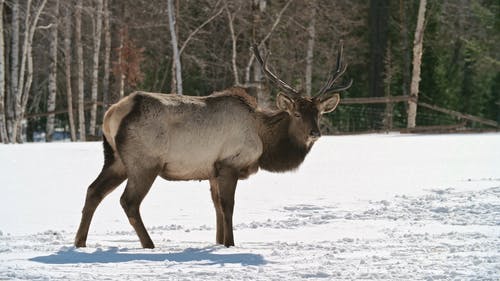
(305, 112)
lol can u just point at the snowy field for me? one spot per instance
(374, 207)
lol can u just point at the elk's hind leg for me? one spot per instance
(214, 190)
(111, 176)
(138, 186)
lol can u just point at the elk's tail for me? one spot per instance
(109, 155)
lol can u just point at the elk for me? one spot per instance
(221, 138)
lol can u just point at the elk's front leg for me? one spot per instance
(223, 196)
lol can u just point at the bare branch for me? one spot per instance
(48, 26)
(198, 29)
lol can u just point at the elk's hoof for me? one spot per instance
(80, 244)
(148, 245)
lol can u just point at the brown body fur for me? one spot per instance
(221, 138)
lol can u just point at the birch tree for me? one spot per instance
(67, 70)
(121, 62)
(51, 100)
(3, 132)
(417, 60)
(79, 63)
(378, 36)
(175, 46)
(258, 8)
(311, 32)
(107, 55)
(26, 71)
(404, 42)
(230, 21)
(95, 69)
(14, 71)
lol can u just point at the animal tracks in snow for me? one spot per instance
(445, 206)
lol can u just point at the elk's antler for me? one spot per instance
(340, 69)
(271, 76)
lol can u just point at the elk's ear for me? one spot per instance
(285, 103)
(329, 104)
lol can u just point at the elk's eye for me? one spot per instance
(297, 115)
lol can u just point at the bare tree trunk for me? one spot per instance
(26, 71)
(51, 100)
(173, 80)
(37, 95)
(262, 90)
(175, 46)
(230, 19)
(123, 35)
(311, 31)
(379, 31)
(20, 82)
(417, 60)
(79, 63)
(26, 88)
(405, 47)
(14, 72)
(378, 27)
(95, 69)
(67, 61)
(107, 56)
(389, 107)
(3, 132)
(259, 7)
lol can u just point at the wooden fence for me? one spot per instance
(462, 117)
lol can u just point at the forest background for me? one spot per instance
(63, 62)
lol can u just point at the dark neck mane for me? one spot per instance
(280, 152)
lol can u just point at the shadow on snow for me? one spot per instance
(114, 255)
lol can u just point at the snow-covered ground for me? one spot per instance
(375, 207)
